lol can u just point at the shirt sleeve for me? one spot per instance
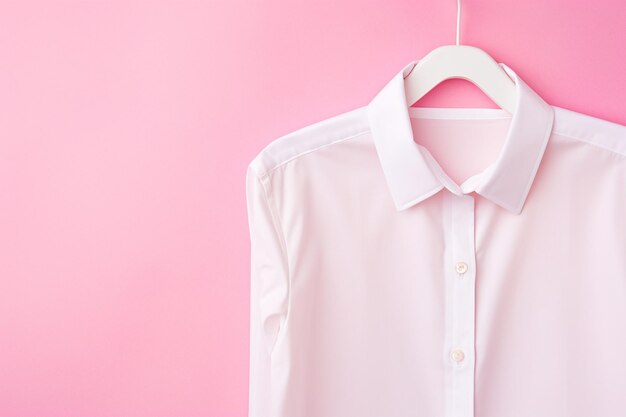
(269, 289)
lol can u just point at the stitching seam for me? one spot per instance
(264, 174)
(266, 185)
(589, 142)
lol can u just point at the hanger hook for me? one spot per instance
(458, 20)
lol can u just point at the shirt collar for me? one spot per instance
(413, 175)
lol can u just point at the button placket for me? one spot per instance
(460, 292)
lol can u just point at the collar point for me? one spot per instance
(514, 209)
(404, 203)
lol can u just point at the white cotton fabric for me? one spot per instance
(360, 224)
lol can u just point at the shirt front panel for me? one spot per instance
(551, 292)
(377, 306)
(367, 307)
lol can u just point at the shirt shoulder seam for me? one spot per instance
(601, 133)
(590, 142)
(323, 145)
(330, 131)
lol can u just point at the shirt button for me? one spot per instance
(458, 355)
(461, 267)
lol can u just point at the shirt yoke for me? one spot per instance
(343, 126)
(593, 130)
(354, 123)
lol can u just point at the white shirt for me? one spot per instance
(440, 262)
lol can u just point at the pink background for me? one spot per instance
(125, 131)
